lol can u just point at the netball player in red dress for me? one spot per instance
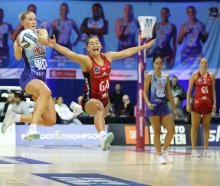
(204, 103)
(96, 68)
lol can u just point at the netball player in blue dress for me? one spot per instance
(32, 81)
(192, 33)
(157, 93)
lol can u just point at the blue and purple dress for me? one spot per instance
(158, 97)
(35, 65)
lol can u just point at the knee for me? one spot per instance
(46, 93)
(194, 128)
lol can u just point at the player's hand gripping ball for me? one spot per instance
(28, 39)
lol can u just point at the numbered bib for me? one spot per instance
(160, 93)
(205, 90)
(40, 64)
(104, 85)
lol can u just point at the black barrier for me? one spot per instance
(126, 135)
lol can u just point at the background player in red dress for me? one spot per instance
(204, 103)
(96, 68)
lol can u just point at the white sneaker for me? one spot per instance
(195, 154)
(107, 140)
(167, 157)
(30, 135)
(161, 159)
(8, 121)
(206, 154)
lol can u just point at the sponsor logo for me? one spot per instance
(96, 70)
(215, 135)
(130, 135)
(59, 135)
(55, 73)
(179, 137)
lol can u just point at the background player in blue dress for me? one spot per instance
(63, 27)
(165, 34)
(5, 31)
(157, 93)
(191, 34)
(32, 80)
(126, 29)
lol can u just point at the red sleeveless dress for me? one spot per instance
(97, 82)
(203, 100)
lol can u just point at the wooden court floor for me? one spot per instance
(24, 166)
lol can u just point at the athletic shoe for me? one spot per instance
(32, 135)
(206, 154)
(161, 159)
(167, 157)
(195, 154)
(8, 121)
(107, 140)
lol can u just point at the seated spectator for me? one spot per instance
(65, 115)
(177, 90)
(127, 108)
(9, 103)
(19, 105)
(116, 99)
(179, 113)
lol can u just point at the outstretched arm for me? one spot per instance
(128, 52)
(78, 58)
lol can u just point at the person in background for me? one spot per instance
(127, 108)
(192, 33)
(20, 27)
(95, 25)
(204, 104)
(5, 30)
(157, 93)
(20, 106)
(9, 103)
(62, 29)
(116, 99)
(179, 113)
(126, 29)
(165, 34)
(177, 90)
(64, 112)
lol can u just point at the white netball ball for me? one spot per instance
(28, 39)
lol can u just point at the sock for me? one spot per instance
(102, 133)
(17, 117)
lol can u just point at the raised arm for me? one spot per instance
(189, 92)
(78, 58)
(128, 52)
(147, 81)
(213, 93)
(17, 50)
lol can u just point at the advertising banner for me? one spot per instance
(60, 135)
